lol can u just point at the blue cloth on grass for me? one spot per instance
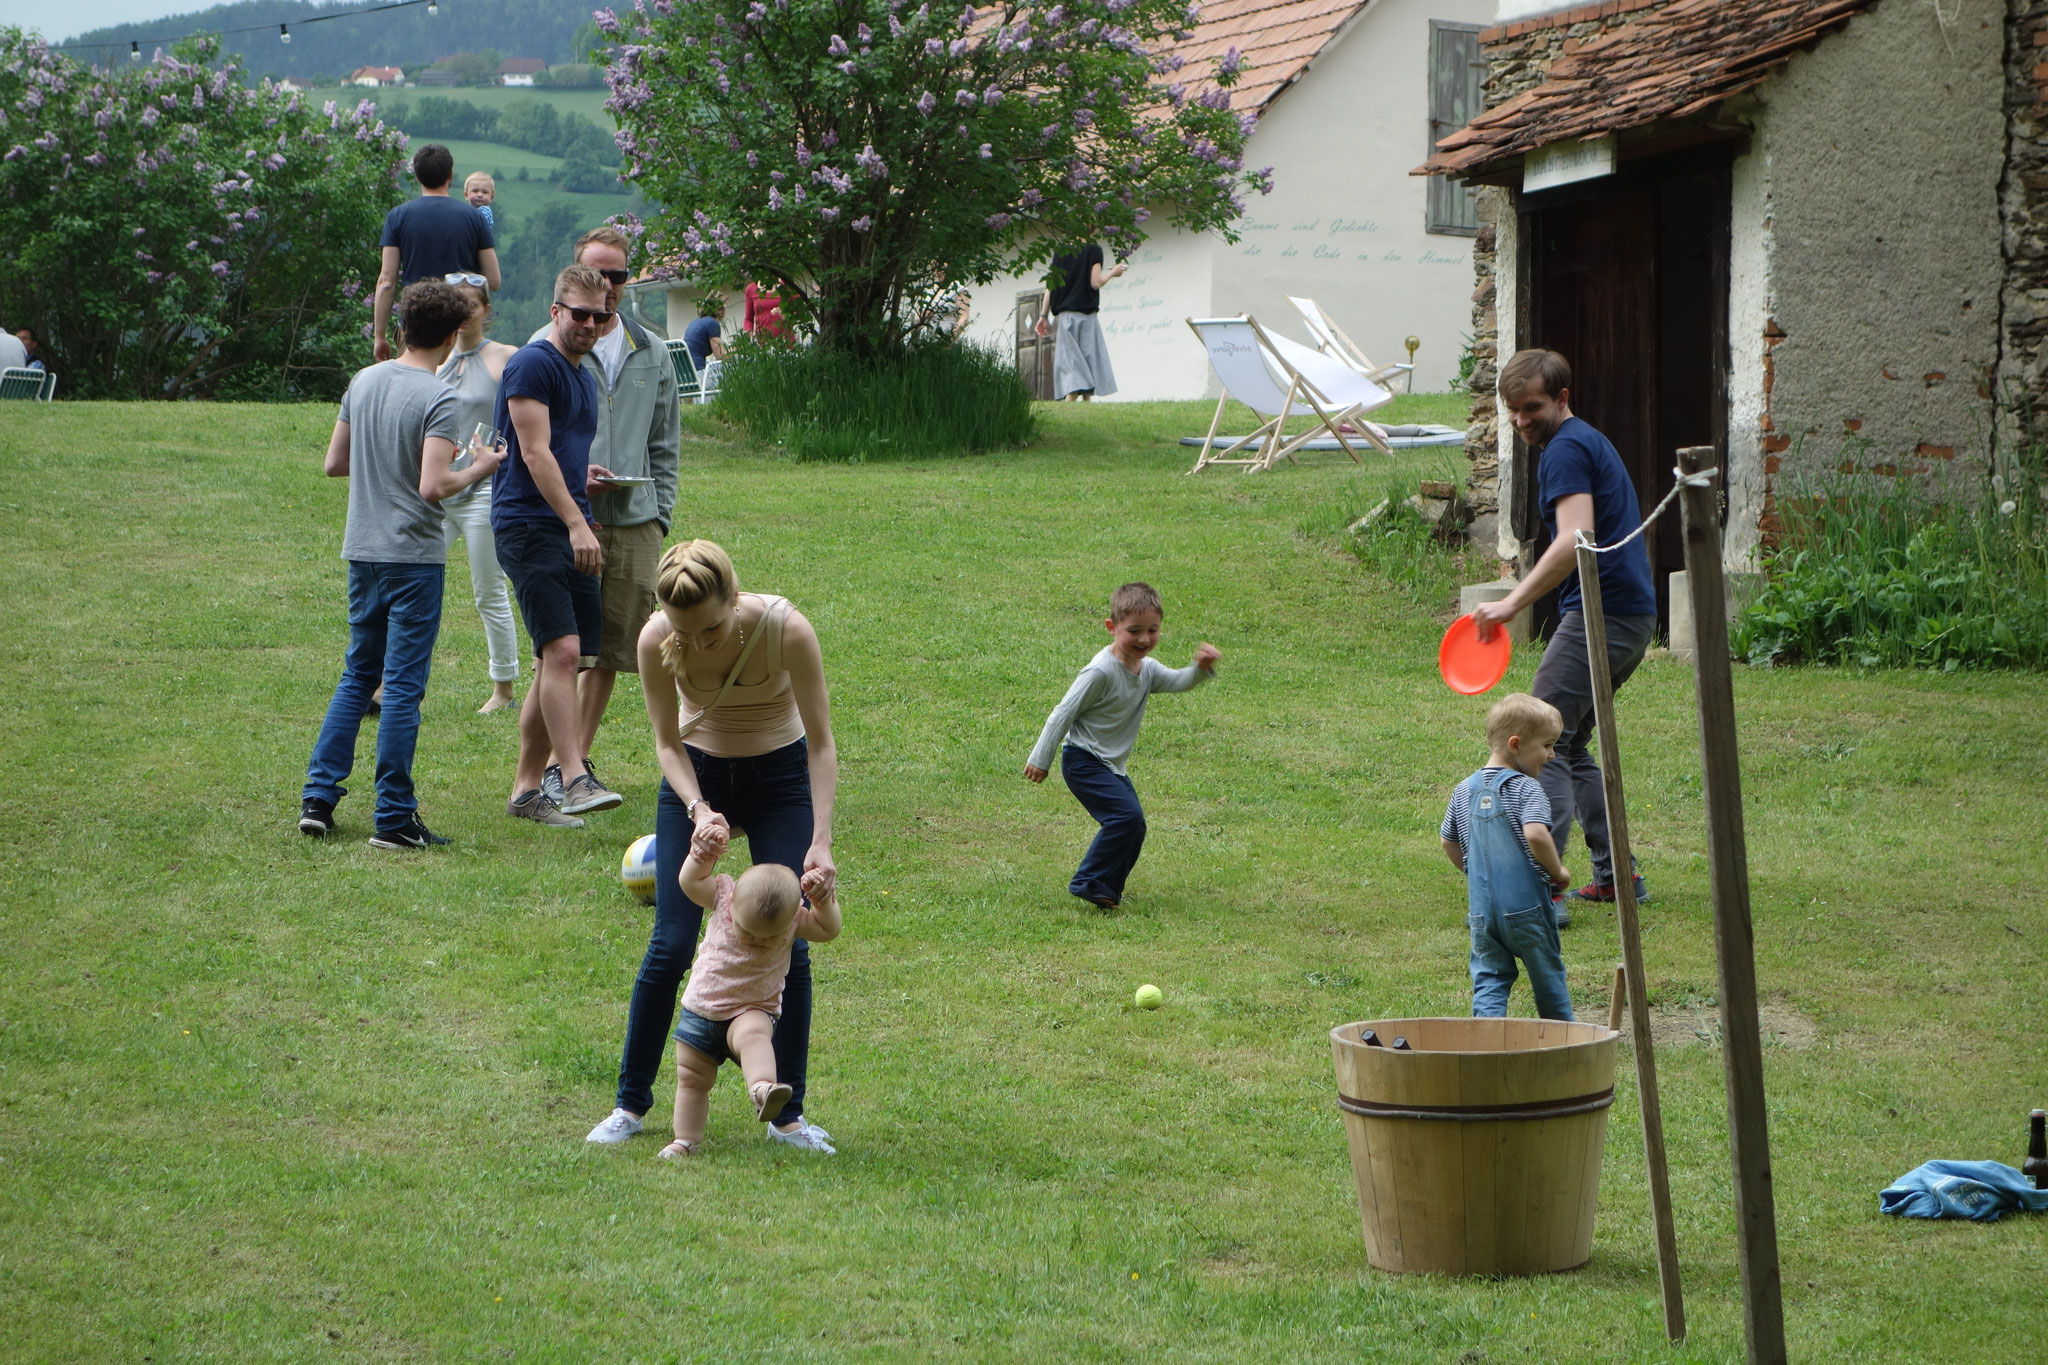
(1977, 1190)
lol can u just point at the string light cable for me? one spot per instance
(284, 31)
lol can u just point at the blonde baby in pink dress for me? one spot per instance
(734, 997)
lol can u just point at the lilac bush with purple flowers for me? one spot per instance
(173, 233)
(864, 153)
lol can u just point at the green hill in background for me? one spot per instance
(549, 193)
(407, 38)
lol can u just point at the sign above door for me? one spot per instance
(1567, 163)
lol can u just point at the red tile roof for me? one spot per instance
(1666, 64)
(1279, 38)
(521, 66)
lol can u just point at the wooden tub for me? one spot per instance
(1478, 1152)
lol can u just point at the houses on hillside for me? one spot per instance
(377, 75)
(520, 70)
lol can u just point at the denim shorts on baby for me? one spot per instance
(705, 1035)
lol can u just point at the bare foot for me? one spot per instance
(500, 698)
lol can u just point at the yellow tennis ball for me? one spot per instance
(1149, 997)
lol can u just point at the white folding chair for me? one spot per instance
(1252, 368)
(707, 382)
(1344, 386)
(21, 382)
(1331, 341)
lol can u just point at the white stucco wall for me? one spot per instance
(1867, 228)
(1344, 225)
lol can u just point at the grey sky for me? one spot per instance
(58, 22)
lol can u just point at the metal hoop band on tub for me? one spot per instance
(1481, 1113)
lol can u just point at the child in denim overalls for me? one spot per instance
(1497, 832)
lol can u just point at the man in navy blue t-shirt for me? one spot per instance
(1581, 486)
(432, 237)
(540, 521)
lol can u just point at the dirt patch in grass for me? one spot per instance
(1700, 1025)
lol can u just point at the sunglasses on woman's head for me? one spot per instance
(459, 277)
(587, 314)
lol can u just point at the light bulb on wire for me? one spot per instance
(134, 50)
(284, 33)
(433, 7)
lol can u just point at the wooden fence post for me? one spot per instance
(1631, 944)
(1763, 1305)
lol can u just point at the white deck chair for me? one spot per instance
(1331, 341)
(1346, 388)
(1252, 369)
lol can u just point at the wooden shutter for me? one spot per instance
(1456, 75)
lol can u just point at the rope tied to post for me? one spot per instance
(1703, 479)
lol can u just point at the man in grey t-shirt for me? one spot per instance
(395, 443)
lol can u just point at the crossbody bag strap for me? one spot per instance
(746, 652)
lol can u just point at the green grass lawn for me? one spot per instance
(263, 1097)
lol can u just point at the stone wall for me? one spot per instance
(1518, 56)
(2023, 305)
(1889, 269)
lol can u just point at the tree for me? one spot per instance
(861, 153)
(174, 233)
(473, 68)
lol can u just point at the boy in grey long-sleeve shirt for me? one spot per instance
(1099, 719)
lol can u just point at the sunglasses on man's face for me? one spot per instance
(616, 276)
(599, 315)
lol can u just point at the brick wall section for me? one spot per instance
(2023, 345)
(1518, 57)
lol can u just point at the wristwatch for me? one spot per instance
(691, 810)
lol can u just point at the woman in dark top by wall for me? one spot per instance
(1073, 295)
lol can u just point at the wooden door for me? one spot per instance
(1034, 353)
(1628, 281)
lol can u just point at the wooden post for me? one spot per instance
(1631, 944)
(1763, 1306)
(1617, 1002)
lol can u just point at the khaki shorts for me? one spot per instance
(632, 554)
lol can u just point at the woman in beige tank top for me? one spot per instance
(754, 756)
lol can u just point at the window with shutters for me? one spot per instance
(1456, 72)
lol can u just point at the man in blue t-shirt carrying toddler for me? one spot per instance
(1497, 832)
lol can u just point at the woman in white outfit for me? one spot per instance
(473, 371)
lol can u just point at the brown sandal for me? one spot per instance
(769, 1097)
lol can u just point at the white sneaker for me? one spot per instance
(806, 1135)
(616, 1129)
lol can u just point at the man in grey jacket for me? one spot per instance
(639, 422)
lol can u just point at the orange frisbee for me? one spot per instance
(1468, 665)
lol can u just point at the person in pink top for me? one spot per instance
(735, 993)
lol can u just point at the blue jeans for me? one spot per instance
(1531, 935)
(1109, 796)
(394, 617)
(1572, 777)
(1507, 908)
(769, 797)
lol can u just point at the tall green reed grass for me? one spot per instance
(1879, 571)
(928, 398)
(1398, 547)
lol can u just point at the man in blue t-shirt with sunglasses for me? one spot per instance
(540, 520)
(1581, 486)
